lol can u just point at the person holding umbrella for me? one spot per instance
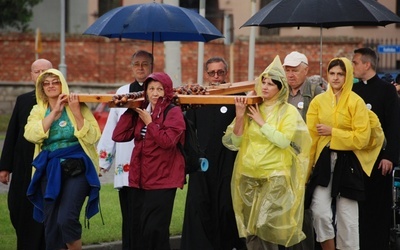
(119, 154)
(381, 98)
(302, 91)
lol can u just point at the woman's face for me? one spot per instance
(269, 89)
(336, 78)
(52, 86)
(154, 90)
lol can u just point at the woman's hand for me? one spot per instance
(60, 104)
(144, 115)
(56, 112)
(240, 106)
(256, 115)
(324, 130)
(73, 103)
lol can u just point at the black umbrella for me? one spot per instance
(322, 14)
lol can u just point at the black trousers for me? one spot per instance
(30, 233)
(376, 212)
(129, 228)
(152, 214)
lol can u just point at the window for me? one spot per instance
(105, 6)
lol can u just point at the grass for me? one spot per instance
(97, 233)
(4, 119)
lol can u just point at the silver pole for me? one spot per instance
(252, 42)
(62, 66)
(200, 52)
(172, 50)
(320, 52)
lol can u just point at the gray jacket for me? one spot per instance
(310, 91)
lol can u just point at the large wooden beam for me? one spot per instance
(231, 88)
(223, 89)
(95, 97)
(195, 99)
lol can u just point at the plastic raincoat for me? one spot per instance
(87, 136)
(354, 127)
(269, 175)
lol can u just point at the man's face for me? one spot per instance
(296, 75)
(38, 68)
(359, 68)
(141, 66)
(216, 73)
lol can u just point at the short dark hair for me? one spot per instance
(142, 52)
(276, 82)
(217, 59)
(337, 62)
(368, 55)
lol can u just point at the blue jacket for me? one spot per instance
(48, 163)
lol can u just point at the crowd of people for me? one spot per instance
(307, 168)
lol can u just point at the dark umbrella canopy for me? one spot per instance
(322, 13)
(154, 22)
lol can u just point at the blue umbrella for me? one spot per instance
(154, 22)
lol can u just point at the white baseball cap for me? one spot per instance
(294, 59)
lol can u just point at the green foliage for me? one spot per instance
(16, 13)
(97, 232)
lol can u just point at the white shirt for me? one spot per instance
(111, 152)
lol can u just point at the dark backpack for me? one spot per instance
(194, 157)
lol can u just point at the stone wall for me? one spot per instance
(101, 64)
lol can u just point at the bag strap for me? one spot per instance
(167, 109)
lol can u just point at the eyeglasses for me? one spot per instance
(53, 83)
(219, 73)
(141, 65)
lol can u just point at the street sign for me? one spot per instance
(383, 49)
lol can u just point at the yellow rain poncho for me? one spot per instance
(354, 127)
(88, 135)
(269, 175)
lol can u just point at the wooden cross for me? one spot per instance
(222, 94)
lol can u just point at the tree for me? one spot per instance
(16, 13)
